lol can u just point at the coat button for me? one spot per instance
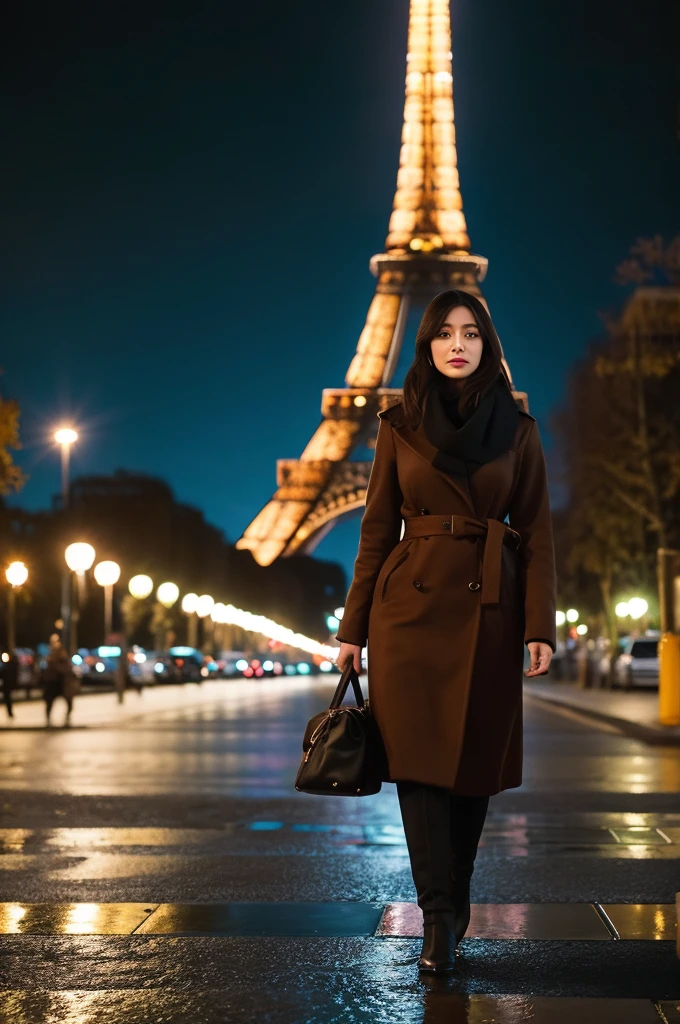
(417, 584)
(473, 586)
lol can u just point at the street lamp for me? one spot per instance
(107, 575)
(560, 618)
(637, 606)
(219, 616)
(189, 604)
(167, 594)
(16, 574)
(572, 615)
(204, 606)
(79, 558)
(140, 586)
(65, 437)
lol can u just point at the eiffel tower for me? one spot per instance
(426, 252)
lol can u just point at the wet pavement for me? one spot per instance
(156, 864)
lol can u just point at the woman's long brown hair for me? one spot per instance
(421, 377)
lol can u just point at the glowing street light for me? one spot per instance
(79, 557)
(66, 436)
(140, 586)
(582, 629)
(637, 606)
(204, 605)
(622, 609)
(560, 618)
(217, 613)
(167, 594)
(107, 575)
(572, 615)
(16, 574)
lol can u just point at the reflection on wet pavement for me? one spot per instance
(436, 1004)
(73, 918)
(232, 737)
(497, 921)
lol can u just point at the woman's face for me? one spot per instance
(457, 349)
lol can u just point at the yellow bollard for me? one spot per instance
(669, 679)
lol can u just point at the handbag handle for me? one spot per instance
(349, 675)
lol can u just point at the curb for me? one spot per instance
(646, 733)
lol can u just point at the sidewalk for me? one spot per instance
(102, 710)
(634, 713)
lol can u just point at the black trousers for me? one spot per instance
(54, 689)
(442, 832)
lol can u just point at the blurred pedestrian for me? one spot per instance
(122, 677)
(58, 678)
(10, 677)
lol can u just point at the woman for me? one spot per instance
(446, 609)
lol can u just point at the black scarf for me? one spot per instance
(466, 443)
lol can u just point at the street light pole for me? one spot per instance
(189, 604)
(11, 620)
(65, 437)
(79, 558)
(107, 574)
(16, 575)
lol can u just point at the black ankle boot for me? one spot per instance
(439, 944)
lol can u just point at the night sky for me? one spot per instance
(192, 192)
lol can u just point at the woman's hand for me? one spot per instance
(349, 651)
(540, 658)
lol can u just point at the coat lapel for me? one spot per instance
(418, 442)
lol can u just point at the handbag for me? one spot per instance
(343, 752)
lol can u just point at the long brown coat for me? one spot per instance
(446, 609)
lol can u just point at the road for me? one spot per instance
(158, 865)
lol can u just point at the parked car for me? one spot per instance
(189, 663)
(628, 668)
(95, 667)
(639, 663)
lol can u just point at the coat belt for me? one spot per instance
(496, 532)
